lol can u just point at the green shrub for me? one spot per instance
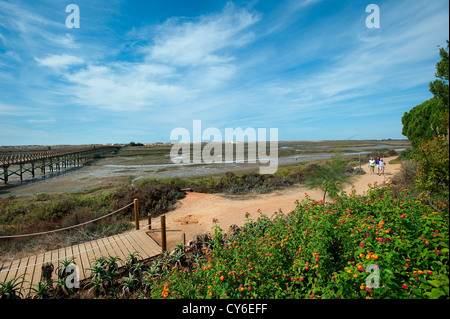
(323, 251)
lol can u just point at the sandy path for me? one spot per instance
(194, 214)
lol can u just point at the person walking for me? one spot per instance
(377, 164)
(372, 165)
(382, 166)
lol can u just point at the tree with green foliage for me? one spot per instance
(423, 122)
(430, 119)
(330, 177)
(426, 126)
(439, 87)
(433, 165)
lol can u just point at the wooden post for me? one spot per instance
(5, 173)
(149, 221)
(136, 214)
(360, 163)
(163, 233)
(183, 239)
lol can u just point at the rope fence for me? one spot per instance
(110, 242)
(69, 227)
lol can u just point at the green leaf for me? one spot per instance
(418, 292)
(436, 293)
(435, 283)
(389, 271)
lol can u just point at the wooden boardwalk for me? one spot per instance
(119, 245)
(21, 163)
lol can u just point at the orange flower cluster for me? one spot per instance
(165, 291)
(369, 256)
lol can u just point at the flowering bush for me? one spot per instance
(371, 246)
(374, 245)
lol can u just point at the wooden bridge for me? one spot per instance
(83, 254)
(21, 163)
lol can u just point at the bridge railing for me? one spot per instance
(23, 158)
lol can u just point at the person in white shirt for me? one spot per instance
(382, 166)
(372, 166)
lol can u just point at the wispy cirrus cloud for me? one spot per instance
(59, 61)
(181, 59)
(200, 41)
(122, 87)
(303, 66)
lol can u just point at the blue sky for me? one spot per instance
(136, 70)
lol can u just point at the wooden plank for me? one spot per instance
(61, 255)
(138, 246)
(117, 247)
(89, 252)
(84, 260)
(4, 270)
(37, 271)
(145, 244)
(23, 271)
(70, 254)
(100, 248)
(107, 246)
(32, 271)
(154, 248)
(130, 245)
(118, 239)
(12, 270)
(123, 243)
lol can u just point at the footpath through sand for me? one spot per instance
(194, 214)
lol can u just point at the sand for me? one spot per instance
(195, 213)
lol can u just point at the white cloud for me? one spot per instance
(41, 121)
(184, 60)
(66, 41)
(16, 110)
(122, 87)
(399, 56)
(59, 61)
(192, 43)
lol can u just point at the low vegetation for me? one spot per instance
(377, 245)
(45, 212)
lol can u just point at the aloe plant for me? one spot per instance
(98, 287)
(12, 289)
(132, 261)
(133, 258)
(60, 288)
(112, 263)
(129, 284)
(137, 269)
(109, 278)
(98, 270)
(177, 258)
(61, 269)
(41, 290)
